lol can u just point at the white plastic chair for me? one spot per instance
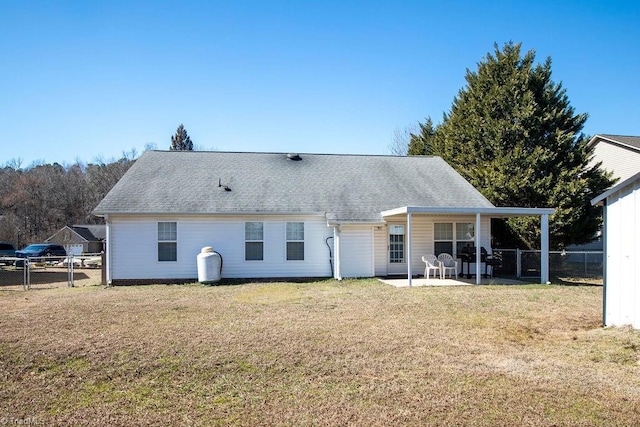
(431, 263)
(448, 263)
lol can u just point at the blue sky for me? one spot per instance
(87, 80)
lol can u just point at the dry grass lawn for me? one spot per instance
(323, 353)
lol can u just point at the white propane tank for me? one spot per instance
(209, 265)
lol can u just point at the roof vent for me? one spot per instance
(294, 156)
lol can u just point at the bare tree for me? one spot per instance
(399, 146)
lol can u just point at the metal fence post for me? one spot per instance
(518, 263)
(70, 270)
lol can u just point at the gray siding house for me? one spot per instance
(79, 239)
(292, 215)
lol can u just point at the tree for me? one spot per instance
(400, 142)
(423, 143)
(513, 134)
(181, 141)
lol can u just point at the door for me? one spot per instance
(397, 263)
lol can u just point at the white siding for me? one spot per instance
(134, 247)
(623, 162)
(380, 248)
(622, 281)
(356, 251)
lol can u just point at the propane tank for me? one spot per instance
(209, 265)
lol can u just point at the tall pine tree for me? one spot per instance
(181, 141)
(513, 134)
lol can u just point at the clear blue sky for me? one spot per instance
(81, 80)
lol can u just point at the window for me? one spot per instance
(254, 241)
(445, 241)
(443, 238)
(465, 235)
(295, 241)
(396, 244)
(167, 241)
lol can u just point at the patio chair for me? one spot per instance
(448, 263)
(431, 263)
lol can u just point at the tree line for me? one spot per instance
(38, 201)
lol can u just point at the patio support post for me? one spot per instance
(544, 248)
(409, 275)
(478, 252)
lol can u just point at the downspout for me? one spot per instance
(326, 241)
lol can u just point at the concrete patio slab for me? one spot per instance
(403, 282)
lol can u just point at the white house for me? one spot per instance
(622, 252)
(290, 215)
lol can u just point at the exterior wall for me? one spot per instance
(356, 251)
(363, 248)
(622, 161)
(622, 245)
(95, 247)
(380, 250)
(134, 254)
(422, 240)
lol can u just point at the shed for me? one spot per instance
(621, 301)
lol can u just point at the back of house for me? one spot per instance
(285, 215)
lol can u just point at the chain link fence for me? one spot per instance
(563, 265)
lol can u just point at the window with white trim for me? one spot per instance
(167, 241)
(295, 241)
(445, 240)
(253, 241)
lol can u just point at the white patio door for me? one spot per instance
(397, 253)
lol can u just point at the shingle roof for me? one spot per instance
(91, 233)
(344, 187)
(631, 141)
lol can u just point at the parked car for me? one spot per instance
(41, 250)
(7, 250)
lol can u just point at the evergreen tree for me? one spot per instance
(423, 143)
(181, 141)
(513, 134)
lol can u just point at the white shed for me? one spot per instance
(621, 253)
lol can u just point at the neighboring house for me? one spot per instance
(618, 154)
(290, 215)
(80, 239)
(621, 304)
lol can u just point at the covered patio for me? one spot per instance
(409, 212)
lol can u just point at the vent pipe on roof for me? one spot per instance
(294, 156)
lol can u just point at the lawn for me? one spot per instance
(322, 353)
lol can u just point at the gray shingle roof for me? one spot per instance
(91, 233)
(632, 141)
(344, 187)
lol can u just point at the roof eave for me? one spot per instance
(599, 200)
(499, 212)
